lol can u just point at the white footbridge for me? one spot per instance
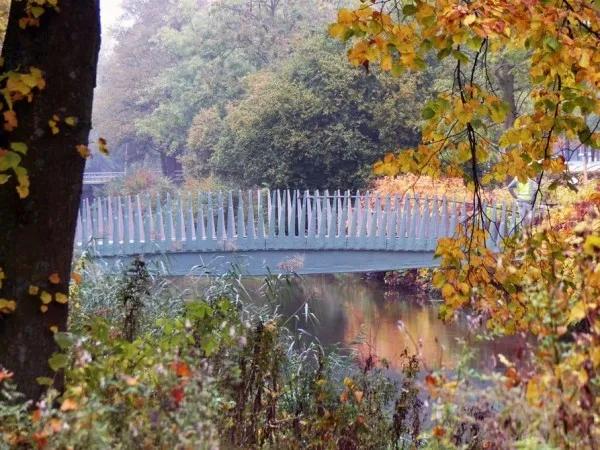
(256, 232)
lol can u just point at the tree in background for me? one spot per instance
(199, 52)
(314, 122)
(49, 73)
(124, 72)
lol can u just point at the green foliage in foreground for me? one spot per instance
(146, 369)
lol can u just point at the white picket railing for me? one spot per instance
(278, 220)
(101, 177)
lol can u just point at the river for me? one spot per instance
(375, 319)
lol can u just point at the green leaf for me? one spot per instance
(209, 346)
(430, 21)
(397, 70)
(409, 10)
(9, 160)
(552, 42)
(474, 43)
(443, 53)
(568, 107)
(19, 147)
(44, 381)
(64, 340)
(37, 11)
(4, 178)
(585, 135)
(58, 361)
(460, 56)
(428, 113)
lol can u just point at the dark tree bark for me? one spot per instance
(37, 232)
(171, 166)
(507, 85)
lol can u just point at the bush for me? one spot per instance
(208, 371)
(139, 182)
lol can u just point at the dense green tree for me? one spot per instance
(124, 73)
(315, 122)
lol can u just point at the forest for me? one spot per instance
(471, 129)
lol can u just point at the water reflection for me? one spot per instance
(362, 314)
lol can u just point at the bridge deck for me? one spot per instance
(282, 230)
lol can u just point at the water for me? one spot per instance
(369, 316)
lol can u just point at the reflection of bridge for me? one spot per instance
(281, 230)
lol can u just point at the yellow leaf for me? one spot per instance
(71, 121)
(7, 306)
(577, 312)
(43, 309)
(61, 298)
(83, 151)
(23, 191)
(45, 297)
(386, 63)
(448, 290)
(54, 329)
(345, 17)
(591, 245)
(336, 30)
(533, 391)
(33, 290)
(584, 61)
(468, 20)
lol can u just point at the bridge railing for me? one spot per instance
(278, 220)
(101, 177)
(104, 177)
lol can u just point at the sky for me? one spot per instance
(110, 11)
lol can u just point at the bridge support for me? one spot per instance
(280, 261)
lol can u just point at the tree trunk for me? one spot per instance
(506, 80)
(37, 232)
(170, 165)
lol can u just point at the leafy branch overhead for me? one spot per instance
(462, 127)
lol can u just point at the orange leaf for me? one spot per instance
(68, 405)
(55, 424)
(430, 381)
(5, 375)
(102, 146)
(54, 278)
(35, 416)
(41, 439)
(358, 395)
(177, 394)
(439, 432)
(181, 369)
(76, 278)
(344, 397)
(83, 151)
(10, 119)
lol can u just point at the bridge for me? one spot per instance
(280, 231)
(98, 178)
